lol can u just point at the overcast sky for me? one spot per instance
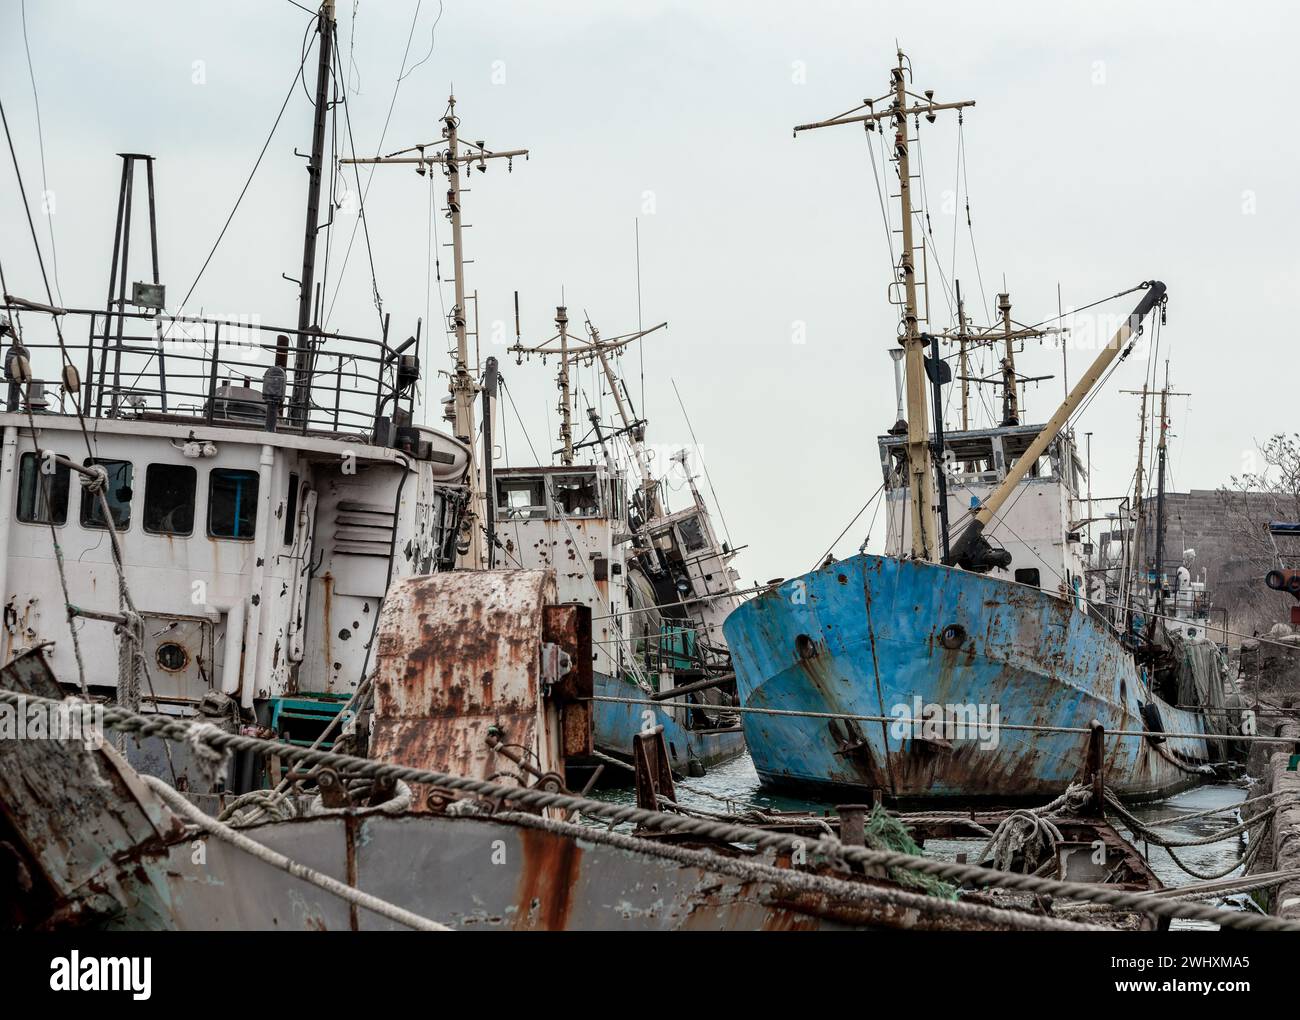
(1111, 143)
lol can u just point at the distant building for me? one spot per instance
(1233, 552)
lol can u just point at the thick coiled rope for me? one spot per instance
(173, 729)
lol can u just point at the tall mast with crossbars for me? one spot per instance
(903, 104)
(451, 153)
(573, 349)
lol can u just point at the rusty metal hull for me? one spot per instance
(468, 873)
(866, 636)
(616, 725)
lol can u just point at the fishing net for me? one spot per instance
(885, 832)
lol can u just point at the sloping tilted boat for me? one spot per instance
(947, 649)
(659, 580)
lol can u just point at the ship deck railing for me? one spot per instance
(197, 369)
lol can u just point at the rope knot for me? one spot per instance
(132, 626)
(210, 758)
(96, 481)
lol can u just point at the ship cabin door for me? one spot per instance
(298, 539)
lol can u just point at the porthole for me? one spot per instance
(805, 647)
(952, 635)
(172, 657)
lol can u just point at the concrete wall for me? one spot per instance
(1234, 570)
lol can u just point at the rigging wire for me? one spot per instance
(362, 194)
(361, 218)
(884, 208)
(40, 137)
(929, 227)
(40, 259)
(822, 558)
(432, 37)
(306, 49)
(970, 227)
(335, 178)
(242, 192)
(691, 428)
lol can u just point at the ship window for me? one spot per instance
(1027, 575)
(520, 498)
(692, 533)
(291, 510)
(118, 492)
(232, 503)
(577, 495)
(42, 494)
(169, 499)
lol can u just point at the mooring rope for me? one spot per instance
(908, 720)
(727, 832)
(1148, 832)
(1261, 821)
(799, 882)
(227, 834)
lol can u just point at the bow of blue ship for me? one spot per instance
(906, 641)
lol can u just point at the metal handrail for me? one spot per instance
(128, 376)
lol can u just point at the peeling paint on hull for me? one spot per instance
(864, 636)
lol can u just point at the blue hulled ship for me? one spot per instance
(970, 661)
(948, 661)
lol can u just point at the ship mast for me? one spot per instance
(1136, 547)
(1161, 458)
(561, 379)
(464, 386)
(649, 488)
(963, 358)
(1161, 450)
(971, 550)
(598, 348)
(303, 355)
(921, 481)
(1007, 377)
(566, 412)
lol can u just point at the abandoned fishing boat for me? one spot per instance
(945, 648)
(248, 493)
(239, 533)
(455, 814)
(659, 582)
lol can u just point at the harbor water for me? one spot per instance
(734, 786)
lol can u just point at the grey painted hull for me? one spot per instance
(468, 873)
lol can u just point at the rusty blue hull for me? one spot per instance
(950, 659)
(616, 724)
